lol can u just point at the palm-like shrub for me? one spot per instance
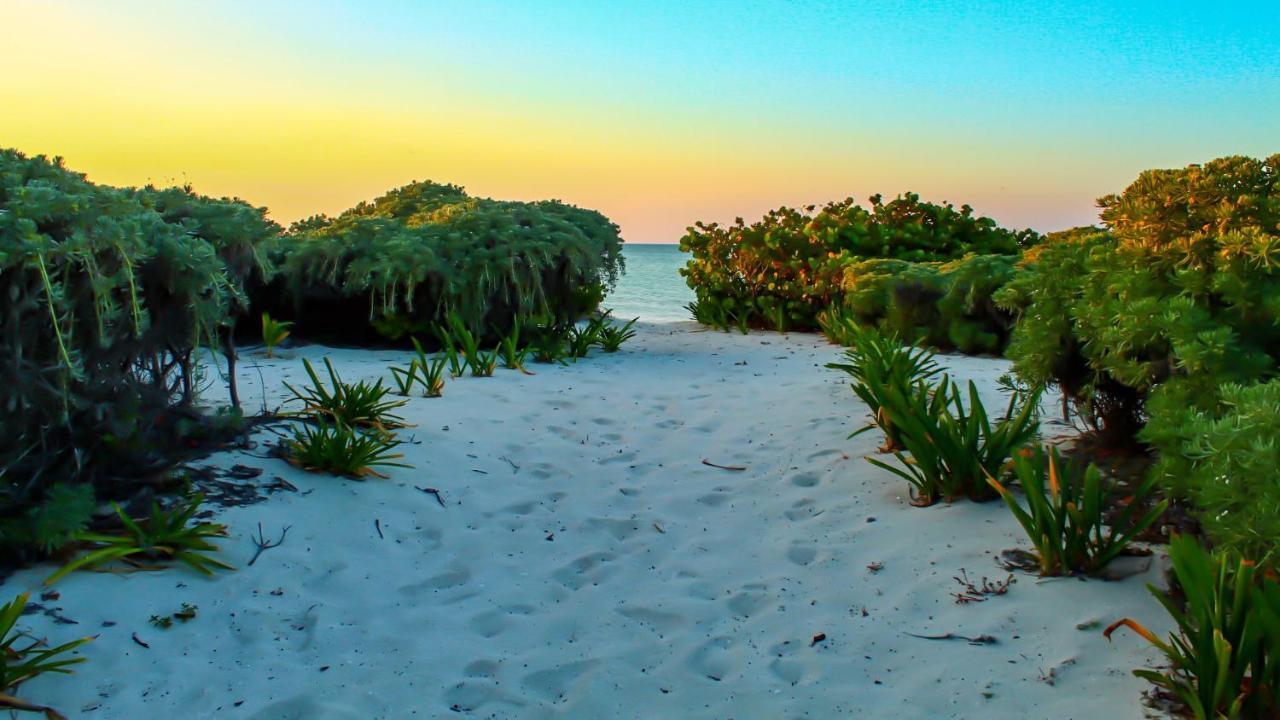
(1065, 513)
(1224, 655)
(274, 332)
(954, 445)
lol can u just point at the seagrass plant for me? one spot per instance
(274, 332)
(1064, 517)
(339, 449)
(513, 352)
(23, 657)
(358, 404)
(954, 445)
(550, 343)
(165, 536)
(879, 364)
(1224, 655)
(613, 336)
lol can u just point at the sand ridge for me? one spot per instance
(587, 564)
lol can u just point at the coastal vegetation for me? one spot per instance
(1159, 328)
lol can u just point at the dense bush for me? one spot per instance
(791, 265)
(108, 293)
(402, 263)
(1183, 285)
(1159, 327)
(944, 305)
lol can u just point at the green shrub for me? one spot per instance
(402, 263)
(23, 658)
(1180, 293)
(787, 268)
(167, 535)
(1226, 461)
(108, 294)
(1065, 513)
(954, 448)
(1225, 654)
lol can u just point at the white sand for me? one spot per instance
(610, 574)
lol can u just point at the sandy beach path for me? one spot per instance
(587, 564)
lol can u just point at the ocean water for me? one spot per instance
(652, 288)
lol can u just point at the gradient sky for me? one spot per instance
(656, 113)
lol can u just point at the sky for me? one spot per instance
(656, 113)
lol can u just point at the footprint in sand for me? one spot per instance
(622, 457)
(716, 659)
(788, 664)
(750, 601)
(591, 569)
(803, 509)
(659, 621)
(621, 530)
(555, 684)
(446, 580)
(802, 554)
(805, 480)
(470, 695)
(715, 499)
(481, 669)
(523, 508)
(489, 623)
(432, 538)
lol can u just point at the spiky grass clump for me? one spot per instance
(358, 404)
(514, 352)
(1224, 655)
(954, 445)
(342, 450)
(879, 364)
(23, 658)
(1065, 513)
(166, 536)
(613, 336)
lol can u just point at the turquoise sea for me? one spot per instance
(652, 288)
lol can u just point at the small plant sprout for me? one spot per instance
(483, 362)
(613, 336)
(274, 332)
(430, 370)
(404, 378)
(359, 405)
(339, 449)
(449, 347)
(513, 353)
(1064, 516)
(166, 536)
(23, 657)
